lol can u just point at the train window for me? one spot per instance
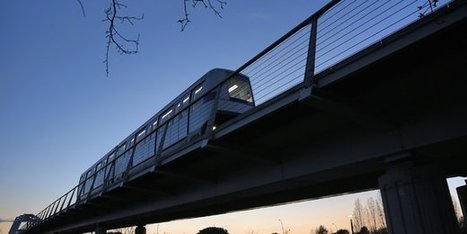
(196, 105)
(121, 149)
(183, 103)
(82, 178)
(132, 142)
(166, 115)
(89, 174)
(179, 107)
(154, 125)
(240, 89)
(141, 135)
(197, 92)
(111, 157)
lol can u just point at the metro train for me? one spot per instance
(216, 97)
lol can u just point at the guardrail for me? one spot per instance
(332, 34)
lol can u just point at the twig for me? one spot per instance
(206, 3)
(125, 45)
(114, 37)
(82, 7)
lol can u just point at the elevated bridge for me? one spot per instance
(361, 95)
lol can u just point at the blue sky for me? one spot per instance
(59, 112)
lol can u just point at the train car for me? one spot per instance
(216, 97)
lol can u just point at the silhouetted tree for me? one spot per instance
(213, 230)
(370, 215)
(358, 215)
(321, 230)
(364, 230)
(342, 231)
(380, 213)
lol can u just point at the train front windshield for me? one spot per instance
(239, 89)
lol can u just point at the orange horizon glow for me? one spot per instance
(298, 217)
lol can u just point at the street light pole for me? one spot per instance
(282, 226)
(351, 223)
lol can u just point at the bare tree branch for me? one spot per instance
(82, 7)
(213, 8)
(123, 44)
(126, 45)
(206, 3)
(185, 20)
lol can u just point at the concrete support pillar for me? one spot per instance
(100, 230)
(417, 201)
(140, 230)
(462, 194)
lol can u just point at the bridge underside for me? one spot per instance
(410, 106)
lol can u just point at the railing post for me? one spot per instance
(130, 160)
(310, 61)
(49, 211)
(45, 213)
(57, 206)
(56, 203)
(64, 201)
(157, 159)
(108, 174)
(40, 214)
(92, 185)
(75, 190)
(52, 210)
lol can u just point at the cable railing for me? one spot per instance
(354, 25)
(329, 36)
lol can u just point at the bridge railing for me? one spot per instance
(353, 25)
(62, 204)
(332, 34)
